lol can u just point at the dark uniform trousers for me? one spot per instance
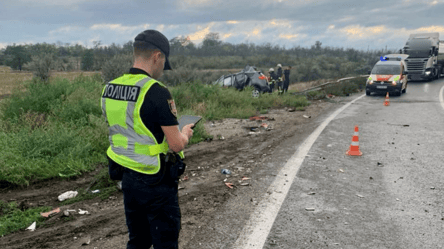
(152, 211)
(286, 84)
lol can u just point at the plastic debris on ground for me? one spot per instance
(95, 191)
(309, 209)
(245, 184)
(311, 193)
(341, 170)
(185, 178)
(32, 227)
(360, 196)
(50, 213)
(291, 109)
(245, 178)
(83, 211)
(230, 185)
(305, 116)
(67, 195)
(225, 171)
(258, 118)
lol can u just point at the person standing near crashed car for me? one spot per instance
(286, 78)
(144, 139)
(280, 83)
(272, 79)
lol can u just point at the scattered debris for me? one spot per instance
(185, 178)
(66, 213)
(360, 196)
(230, 185)
(225, 171)
(86, 241)
(208, 139)
(432, 187)
(291, 109)
(397, 199)
(32, 227)
(311, 193)
(380, 164)
(67, 195)
(83, 211)
(119, 185)
(95, 191)
(264, 125)
(258, 118)
(305, 116)
(245, 178)
(245, 184)
(341, 170)
(371, 178)
(50, 213)
(180, 187)
(309, 209)
(399, 125)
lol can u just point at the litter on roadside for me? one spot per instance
(32, 227)
(180, 187)
(245, 184)
(305, 116)
(341, 170)
(230, 185)
(185, 178)
(360, 196)
(83, 211)
(225, 171)
(309, 209)
(258, 118)
(95, 191)
(52, 212)
(67, 195)
(245, 178)
(311, 193)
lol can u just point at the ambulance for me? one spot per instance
(388, 75)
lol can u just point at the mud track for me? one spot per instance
(203, 195)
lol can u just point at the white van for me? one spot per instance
(388, 75)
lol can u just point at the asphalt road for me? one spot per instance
(390, 197)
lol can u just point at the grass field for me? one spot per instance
(9, 79)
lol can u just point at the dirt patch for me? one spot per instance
(202, 188)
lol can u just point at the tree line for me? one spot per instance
(309, 63)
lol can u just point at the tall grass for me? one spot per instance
(56, 130)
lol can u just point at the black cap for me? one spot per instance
(158, 40)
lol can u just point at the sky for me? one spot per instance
(355, 24)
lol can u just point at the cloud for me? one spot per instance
(65, 30)
(292, 36)
(119, 27)
(198, 36)
(232, 22)
(358, 32)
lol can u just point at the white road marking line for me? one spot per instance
(259, 225)
(441, 98)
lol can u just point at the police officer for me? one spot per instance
(279, 81)
(286, 78)
(146, 145)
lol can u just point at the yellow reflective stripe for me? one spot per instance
(151, 150)
(120, 140)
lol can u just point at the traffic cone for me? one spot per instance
(387, 100)
(354, 147)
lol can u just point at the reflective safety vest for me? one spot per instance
(132, 144)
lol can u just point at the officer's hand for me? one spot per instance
(188, 131)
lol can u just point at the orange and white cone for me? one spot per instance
(387, 100)
(354, 147)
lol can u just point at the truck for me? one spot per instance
(423, 51)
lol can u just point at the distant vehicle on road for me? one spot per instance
(388, 75)
(423, 50)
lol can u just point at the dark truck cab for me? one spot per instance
(422, 63)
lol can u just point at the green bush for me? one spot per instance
(40, 66)
(116, 67)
